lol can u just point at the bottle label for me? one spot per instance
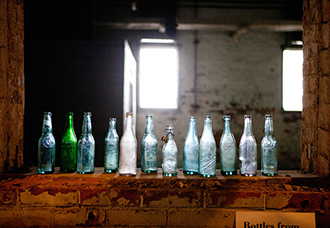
(149, 157)
(48, 141)
(111, 157)
(111, 149)
(150, 153)
(47, 155)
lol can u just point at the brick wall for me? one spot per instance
(234, 76)
(11, 84)
(152, 201)
(316, 104)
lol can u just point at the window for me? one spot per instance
(292, 79)
(158, 74)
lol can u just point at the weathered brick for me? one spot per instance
(235, 199)
(172, 198)
(106, 197)
(69, 216)
(48, 197)
(95, 196)
(322, 219)
(325, 9)
(95, 217)
(8, 196)
(277, 200)
(306, 201)
(26, 217)
(135, 217)
(219, 218)
(324, 97)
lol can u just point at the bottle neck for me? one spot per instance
(207, 126)
(87, 125)
(247, 126)
(112, 125)
(47, 124)
(169, 135)
(227, 126)
(69, 122)
(149, 128)
(129, 123)
(269, 129)
(192, 127)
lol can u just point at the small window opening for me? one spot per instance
(292, 79)
(158, 74)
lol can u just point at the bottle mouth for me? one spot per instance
(129, 114)
(267, 116)
(87, 113)
(149, 116)
(48, 113)
(113, 119)
(192, 117)
(69, 113)
(227, 117)
(169, 127)
(248, 116)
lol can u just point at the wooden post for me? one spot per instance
(315, 154)
(11, 84)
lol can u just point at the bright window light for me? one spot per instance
(157, 41)
(158, 78)
(292, 80)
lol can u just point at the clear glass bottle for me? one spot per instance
(248, 149)
(68, 146)
(269, 151)
(86, 147)
(228, 149)
(128, 149)
(191, 149)
(46, 146)
(170, 153)
(149, 148)
(207, 150)
(111, 148)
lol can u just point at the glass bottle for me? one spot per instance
(149, 148)
(191, 149)
(68, 146)
(228, 149)
(207, 150)
(269, 152)
(46, 146)
(170, 153)
(248, 149)
(86, 147)
(128, 149)
(111, 148)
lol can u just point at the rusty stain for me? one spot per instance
(16, 98)
(51, 191)
(86, 194)
(215, 104)
(292, 118)
(306, 201)
(151, 196)
(195, 106)
(125, 197)
(172, 118)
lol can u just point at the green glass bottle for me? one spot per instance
(68, 146)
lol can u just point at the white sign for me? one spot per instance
(256, 219)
